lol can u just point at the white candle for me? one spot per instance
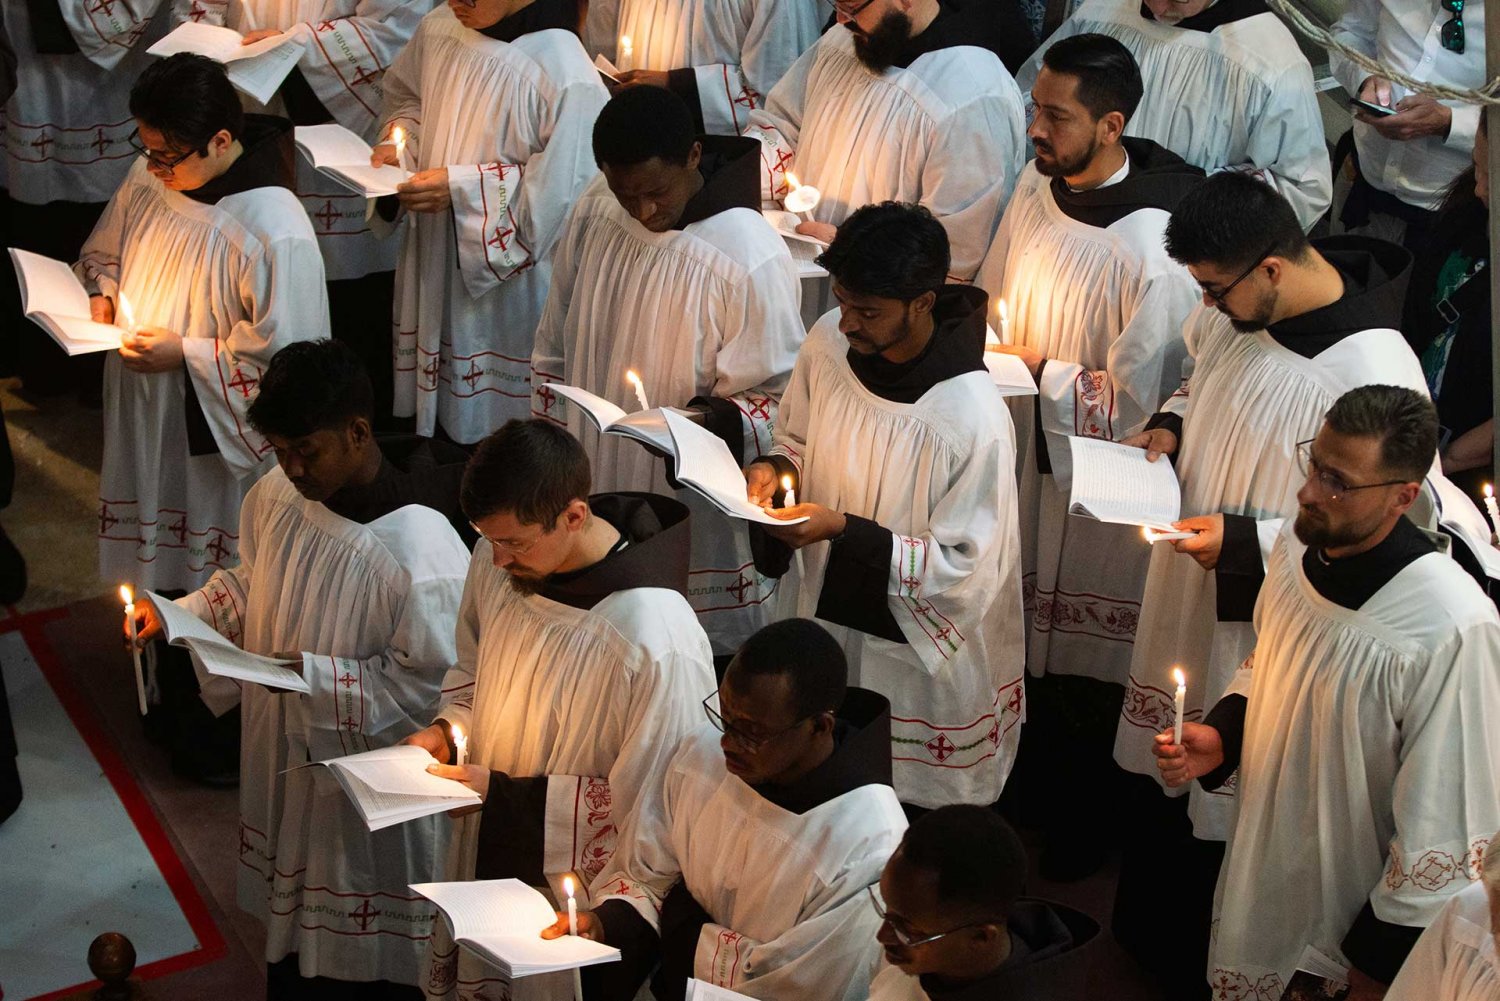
(791, 495)
(1004, 312)
(573, 930)
(1178, 704)
(128, 596)
(398, 136)
(460, 746)
(1153, 536)
(627, 50)
(126, 319)
(640, 389)
(1491, 508)
(802, 198)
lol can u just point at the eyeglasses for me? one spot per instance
(1223, 293)
(906, 939)
(157, 160)
(851, 10)
(1332, 486)
(747, 741)
(510, 547)
(1453, 30)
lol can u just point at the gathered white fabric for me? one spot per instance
(803, 926)
(1456, 957)
(512, 122)
(946, 131)
(937, 475)
(371, 608)
(1240, 97)
(1105, 308)
(1370, 768)
(239, 280)
(737, 49)
(731, 291)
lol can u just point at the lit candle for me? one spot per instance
(126, 319)
(460, 746)
(1153, 536)
(398, 136)
(802, 198)
(640, 389)
(1004, 312)
(573, 930)
(1178, 702)
(627, 49)
(1491, 508)
(128, 596)
(791, 495)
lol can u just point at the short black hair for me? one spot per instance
(1233, 221)
(187, 98)
(1107, 74)
(806, 654)
(978, 858)
(892, 250)
(311, 386)
(641, 122)
(1405, 421)
(531, 469)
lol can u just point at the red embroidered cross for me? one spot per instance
(326, 25)
(760, 407)
(474, 374)
(365, 77)
(783, 157)
(918, 607)
(347, 680)
(106, 520)
(100, 143)
(942, 633)
(747, 98)
(216, 548)
(219, 598)
(42, 142)
(994, 735)
(243, 383)
(199, 12)
(491, 168)
(105, 7)
(941, 747)
(739, 587)
(431, 371)
(500, 239)
(548, 397)
(179, 529)
(234, 638)
(912, 583)
(364, 914)
(348, 723)
(327, 215)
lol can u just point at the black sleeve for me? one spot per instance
(684, 83)
(303, 106)
(512, 829)
(1378, 948)
(1169, 422)
(639, 946)
(7, 66)
(200, 437)
(722, 417)
(854, 584)
(49, 32)
(1228, 717)
(1043, 457)
(1240, 572)
(682, 920)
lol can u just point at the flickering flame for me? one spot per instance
(568, 885)
(1003, 310)
(786, 483)
(398, 136)
(792, 182)
(1147, 534)
(632, 378)
(626, 47)
(458, 733)
(1489, 491)
(127, 315)
(1179, 677)
(126, 594)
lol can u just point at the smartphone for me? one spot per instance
(1374, 109)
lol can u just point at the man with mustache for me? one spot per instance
(898, 103)
(1361, 725)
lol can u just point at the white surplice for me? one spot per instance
(736, 49)
(786, 892)
(1370, 768)
(512, 122)
(1105, 307)
(347, 46)
(1250, 72)
(593, 699)
(946, 131)
(239, 280)
(938, 475)
(372, 609)
(1246, 401)
(732, 290)
(1457, 958)
(67, 127)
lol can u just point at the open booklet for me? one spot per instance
(1008, 372)
(218, 656)
(705, 465)
(606, 69)
(646, 426)
(501, 920)
(256, 70)
(702, 990)
(1118, 484)
(391, 785)
(1317, 978)
(804, 249)
(340, 154)
(54, 299)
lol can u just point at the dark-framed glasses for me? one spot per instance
(512, 548)
(906, 938)
(851, 10)
(750, 742)
(1331, 484)
(1452, 34)
(159, 160)
(1223, 293)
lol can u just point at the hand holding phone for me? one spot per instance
(1371, 107)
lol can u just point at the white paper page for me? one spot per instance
(331, 145)
(701, 990)
(601, 411)
(785, 223)
(178, 623)
(50, 286)
(1009, 374)
(261, 76)
(403, 774)
(363, 179)
(527, 955)
(228, 661)
(609, 69)
(489, 907)
(704, 463)
(1117, 484)
(383, 809)
(805, 257)
(218, 44)
(80, 337)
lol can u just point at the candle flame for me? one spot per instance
(1179, 677)
(1147, 534)
(1003, 310)
(126, 594)
(126, 313)
(458, 733)
(625, 44)
(398, 136)
(791, 181)
(1489, 491)
(568, 885)
(632, 378)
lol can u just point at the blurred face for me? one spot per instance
(881, 31)
(1248, 298)
(763, 739)
(320, 464)
(1063, 132)
(480, 14)
(874, 325)
(1172, 11)
(1482, 166)
(183, 169)
(531, 553)
(913, 911)
(1330, 514)
(656, 192)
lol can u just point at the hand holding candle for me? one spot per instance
(460, 746)
(128, 597)
(573, 930)
(789, 494)
(1153, 536)
(398, 136)
(626, 51)
(640, 389)
(1178, 704)
(802, 198)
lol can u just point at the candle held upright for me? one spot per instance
(128, 597)
(639, 387)
(1179, 703)
(460, 746)
(789, 495)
